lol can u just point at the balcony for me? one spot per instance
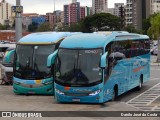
(129, 3)
(128, 13)
(128, 17)
(128, 8)
(129, 22)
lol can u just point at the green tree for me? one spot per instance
(73, 27)
(146, 24)
(102, 22)
(96, 22)
(154, 31)
(33, 27)
(132, 29)
(64, 28)
(44, 27)
(3, 27)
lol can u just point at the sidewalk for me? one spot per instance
(155, 64)
(154, 61)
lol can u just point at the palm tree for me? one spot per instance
(154, 30)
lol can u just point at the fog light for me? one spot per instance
(17, 83)
(95, 93)
(59, 92)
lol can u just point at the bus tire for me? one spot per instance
(115, 93)
(139, 87)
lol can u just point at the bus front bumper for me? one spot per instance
(44, 90)
(85, 99)
(93, 94)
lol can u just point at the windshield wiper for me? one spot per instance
(28, 62)
(74, 67)
(34, 64)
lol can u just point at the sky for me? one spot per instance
(44, 6)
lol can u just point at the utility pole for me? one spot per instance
(122, 16)
(54, 15)
(158, 57)
(18, 20)
(54, 6)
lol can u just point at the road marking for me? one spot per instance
(143, 101)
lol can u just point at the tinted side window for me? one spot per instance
(140, 47)
(127, 48)
(109, 48)
(118, 51)
(135, 48)
(147, 46)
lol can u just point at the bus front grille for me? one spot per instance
(76, 94)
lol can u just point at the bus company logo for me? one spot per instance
(91, 51)
(82, 90)
(6, 114)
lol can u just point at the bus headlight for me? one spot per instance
(95, 93)
(59, 92)
(17, 83)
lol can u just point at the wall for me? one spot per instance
(9, 35)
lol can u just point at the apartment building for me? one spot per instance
(99, 6)
(136, 11)
(155, 6)
(6, 14)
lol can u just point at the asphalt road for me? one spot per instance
(130, 101)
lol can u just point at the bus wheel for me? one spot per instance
(139, 87)
(115, 94)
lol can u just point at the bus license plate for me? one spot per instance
(76, 100)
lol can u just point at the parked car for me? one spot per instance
(155, 52)
(155, 43)
(153, 49)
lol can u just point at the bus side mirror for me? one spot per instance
(51, 58)
(104, 60)
(7, 56)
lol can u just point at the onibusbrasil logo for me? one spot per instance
(21, 114)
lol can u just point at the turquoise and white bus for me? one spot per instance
(31, 75)
(95, 68)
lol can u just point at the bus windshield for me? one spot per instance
(79, 68)
(30, 61)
